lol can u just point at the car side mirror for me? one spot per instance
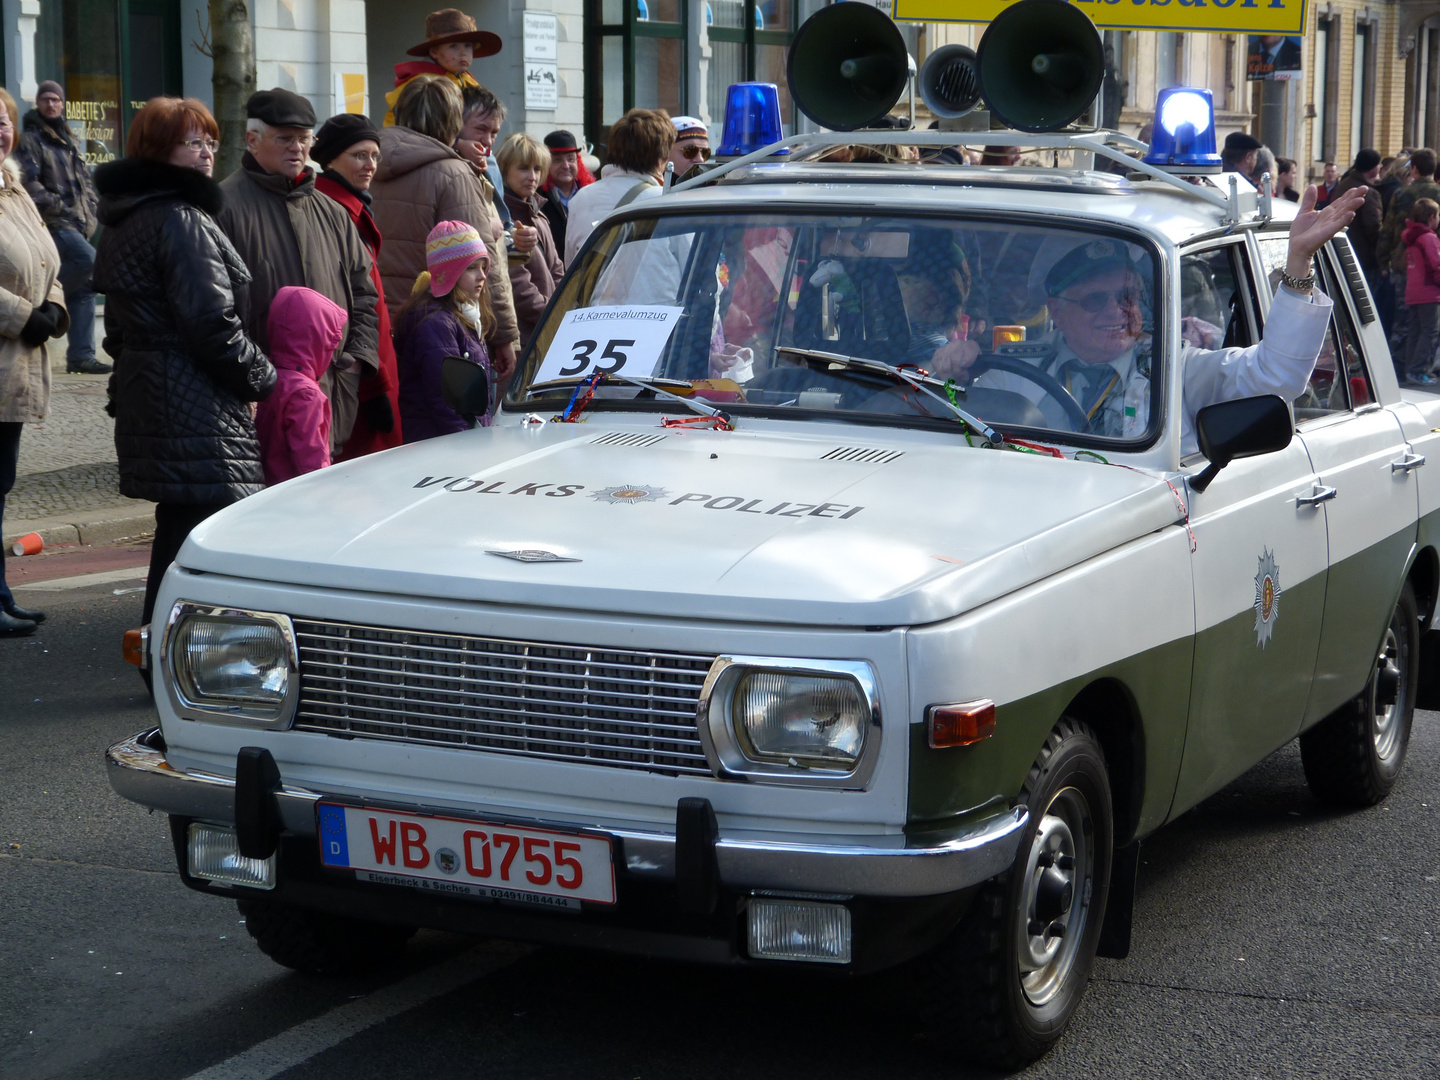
(1245, 427)
(465, 387)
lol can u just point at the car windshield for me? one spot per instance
(1038, 329)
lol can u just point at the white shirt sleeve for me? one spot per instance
(1281, 364)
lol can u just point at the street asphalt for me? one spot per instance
(1274, 938)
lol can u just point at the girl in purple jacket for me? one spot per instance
(448, 314)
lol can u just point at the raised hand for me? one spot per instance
(1312, 228)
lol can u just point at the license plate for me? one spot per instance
(467, 858)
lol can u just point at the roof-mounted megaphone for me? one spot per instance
(950, 81)
(847, 66)
(1040, 64)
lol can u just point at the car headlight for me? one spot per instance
(812, 722)
(231, 663)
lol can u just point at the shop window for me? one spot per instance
(111, 57)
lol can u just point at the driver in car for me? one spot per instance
(1100, 354)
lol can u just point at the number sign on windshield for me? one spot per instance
(621, 339)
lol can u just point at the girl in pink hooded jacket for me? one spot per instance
(293, 423)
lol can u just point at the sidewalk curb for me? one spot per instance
(88, 527)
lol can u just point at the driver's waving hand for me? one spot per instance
(1101, 354)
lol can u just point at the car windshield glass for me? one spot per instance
(1029, 328)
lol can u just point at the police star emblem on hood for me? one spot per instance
(532, 555)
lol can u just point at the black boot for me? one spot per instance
(37, 617)
(10, 626)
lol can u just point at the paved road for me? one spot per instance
(1274, 939)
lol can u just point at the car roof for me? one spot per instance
(1151, 205)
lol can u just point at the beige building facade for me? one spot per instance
(1370, 76)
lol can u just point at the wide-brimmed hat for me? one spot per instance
(449, 25)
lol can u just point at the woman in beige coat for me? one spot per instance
(32, 310)
(421, 182)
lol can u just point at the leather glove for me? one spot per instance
(378, 414)
(41, 325)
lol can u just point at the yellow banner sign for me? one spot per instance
(1215, 16)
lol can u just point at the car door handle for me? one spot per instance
(1315, 498)
(1408, 462)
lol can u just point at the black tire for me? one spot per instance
(1011, 1011)
(1354, 755)
(322, 944)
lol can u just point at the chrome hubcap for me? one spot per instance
(1055, 903)
(1388, 688)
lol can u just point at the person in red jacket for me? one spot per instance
(347, 147)
(293, 423)
(1422, 291)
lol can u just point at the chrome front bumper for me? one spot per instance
(943, 863)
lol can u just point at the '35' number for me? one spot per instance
(585, 355)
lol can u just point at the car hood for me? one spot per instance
(760, 526)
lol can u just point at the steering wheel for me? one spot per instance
(1052, 386)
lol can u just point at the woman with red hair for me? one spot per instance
(185, 372)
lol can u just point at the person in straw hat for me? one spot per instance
(452, 43)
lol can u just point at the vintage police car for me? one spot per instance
(766, 646)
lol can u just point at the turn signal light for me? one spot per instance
(960, 725)
(136, 647)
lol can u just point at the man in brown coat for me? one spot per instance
(290, 234)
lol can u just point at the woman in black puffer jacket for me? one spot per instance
(185, 372)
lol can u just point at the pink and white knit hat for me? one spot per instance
(449, 249)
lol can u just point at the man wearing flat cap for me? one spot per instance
(288, 233)
(1239, 153)
(1101, 354)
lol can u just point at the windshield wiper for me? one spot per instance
(839, 361)
(655, 386)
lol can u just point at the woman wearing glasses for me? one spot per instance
(185, 370)
(524, 163)
(347, 147)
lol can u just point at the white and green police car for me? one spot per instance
(747, 634)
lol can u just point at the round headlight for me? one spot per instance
(232, 660)
(817, 721)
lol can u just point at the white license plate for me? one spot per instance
(474, 858)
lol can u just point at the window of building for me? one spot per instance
(1362, 90)
(636, 58)
(645, 54)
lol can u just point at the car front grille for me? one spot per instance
(625, 709)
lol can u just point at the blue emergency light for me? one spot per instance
(752, 118)
(1184, 137)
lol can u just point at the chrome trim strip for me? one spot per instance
(948, 862)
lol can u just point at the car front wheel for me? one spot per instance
(1354, 755)
(322, 944)
(1012, 974)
